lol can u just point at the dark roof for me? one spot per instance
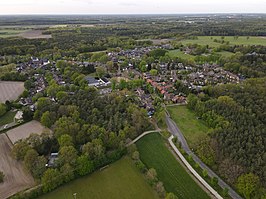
(91, 80)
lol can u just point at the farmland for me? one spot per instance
(16, 179)
(209, 40)
(34, 34)
(119, 180)
(192, 128)
(24, 131)
(155, 154)
(10, 90)
(5, 33)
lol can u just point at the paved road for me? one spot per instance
(174, 130)
(142, 135)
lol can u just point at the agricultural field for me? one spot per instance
(10, 90)
(25, 130)
(5, 33)
(119, 180)
(155, 154)
(16, 178)
(34, 34)
(192, 128)
(7, 118)
(209, 40)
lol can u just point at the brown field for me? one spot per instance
(10, 90)
(16, 178)
(24, 131)
(34, 34)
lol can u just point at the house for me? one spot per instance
(19, 116)
(92, 81)
(52, 160)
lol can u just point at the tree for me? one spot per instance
(61, 94)
(67, 172)
(47, 119)
(100, 71)
(160, 189)
(135, 155)
(151, 176)
(171, 196)
(247, 184)
(153, 72)
(51, 179)
(67, 154)
(27, 114)
(84, 166)
(20, 149)
(2, 109)
(65, 140)
(2, 175)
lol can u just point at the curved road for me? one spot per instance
(174, 130)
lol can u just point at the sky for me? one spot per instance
(130, 6)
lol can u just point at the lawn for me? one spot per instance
(7, 118)
(155, 154)
(206, 40)
(192, 128)
(180, 54)
(120, 180)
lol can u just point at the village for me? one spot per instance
(161, 79)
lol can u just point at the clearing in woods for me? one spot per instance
(10, 90)
(16, 178)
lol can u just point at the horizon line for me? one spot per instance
(185, 13)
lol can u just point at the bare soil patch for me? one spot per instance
(25, 130)
(16, 178)
(34, 34)
(10, 90)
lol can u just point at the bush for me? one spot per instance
(2, 175)
(139, 164)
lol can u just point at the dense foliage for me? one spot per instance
(237, 113)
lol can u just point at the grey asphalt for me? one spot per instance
(174, 130)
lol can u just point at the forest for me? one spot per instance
(237, 115)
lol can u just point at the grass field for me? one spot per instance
(120, 180)
(180, 54)
(155, 154)
(5, 33)
(7, 118)
(204, 40)
(192, 128)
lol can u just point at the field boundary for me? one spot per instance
(189, 167)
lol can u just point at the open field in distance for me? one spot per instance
(242, 40)
(119, 180)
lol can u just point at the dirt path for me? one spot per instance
(16, 178)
